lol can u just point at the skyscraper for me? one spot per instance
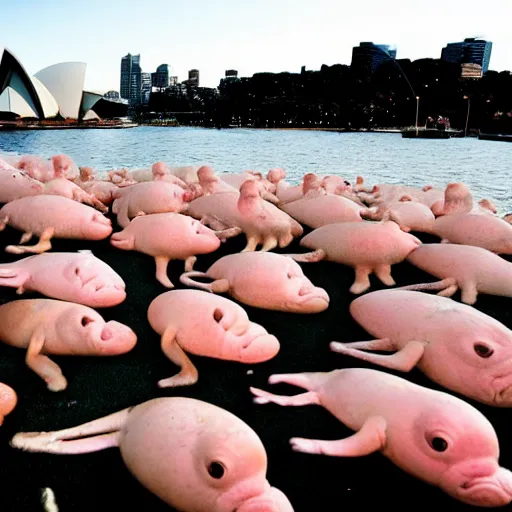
(161, 77)
(145, 87)
(470, 51)
(131, 78)
(367, 57)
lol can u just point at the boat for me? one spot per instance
(505, 137)
(428, 133)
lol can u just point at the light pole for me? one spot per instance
(467, 117)
(417, 110)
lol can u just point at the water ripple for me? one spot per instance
(379, 157)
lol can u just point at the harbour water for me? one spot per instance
(485, 166)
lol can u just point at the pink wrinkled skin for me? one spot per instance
(409, 215)
(287, 193)
(75, 277)
(66, 188)
(366, 246)
(211, 183)
(457, 199)
(47, 326)
(186, 173)
(166, 237)
(262, 222)
(64, 217)
(151, 197)
(162, 172)
(236, 180)
(433, 436)
(454, 344)
(318, 211)
(386, 195)
(487, 231)
(219, 328)
(15, 184)
(472, 269)
(165, 445)
(104, 191)
(292, 291)
(276, 175)
(64, 167)
(36, 167)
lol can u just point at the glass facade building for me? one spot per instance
(161, 77)
(145, 87)
(131, 84)
(367, 57)
(470, 51)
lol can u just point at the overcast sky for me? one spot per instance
(250, 36)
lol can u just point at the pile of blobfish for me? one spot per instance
(180, 213)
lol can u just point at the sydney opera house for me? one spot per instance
(54, 93)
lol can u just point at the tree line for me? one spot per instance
(337, 97)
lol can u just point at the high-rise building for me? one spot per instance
(469, 51)
(193, 77)
(367, 57)
(145, 87)
(161, 77)
(131, 78)
(173, 80)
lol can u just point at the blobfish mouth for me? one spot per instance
(313, 293)
(250, 341)
(489, 487)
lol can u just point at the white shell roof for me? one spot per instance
(50, 106)
(12, 101)
(65, 82)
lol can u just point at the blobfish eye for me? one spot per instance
(438, 444)
(218, 315)
(483, 350)
(216, 470)
(86, 321)
(77, 271)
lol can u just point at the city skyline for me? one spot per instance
(263, 36)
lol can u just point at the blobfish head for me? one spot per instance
(84, 332)
(159, 170)
(202, 237)
(96, 227)
(98, 285)
(483, 362)
(297, 293)
(243, 340)
(105, 338)
(64, 167)
(249, 190)
(452, 445)
(227, 472)
(276, 175)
